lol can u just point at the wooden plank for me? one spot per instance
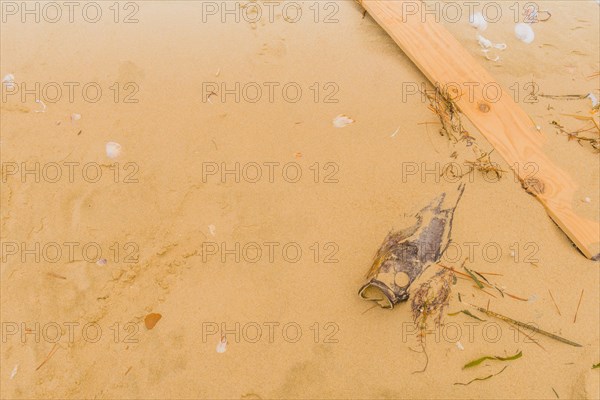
(505, 125)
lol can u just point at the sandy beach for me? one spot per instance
(183, 159)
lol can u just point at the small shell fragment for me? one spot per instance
(14, 371)
(41, 103)
(342, 120)
(460, 345)
(212, 229)
(113, 149)
(487, 44)
(9, 81)
(101, 262)
(524, 33)
(75, 117)
(222, 345)
(532, 298)
(593, 99)
(477, 20)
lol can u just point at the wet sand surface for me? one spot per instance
(277, 249)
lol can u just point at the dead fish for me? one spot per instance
(406, 253)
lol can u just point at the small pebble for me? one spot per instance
(587, 200)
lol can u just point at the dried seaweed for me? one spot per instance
(503, 292)
(430, 300)
(578, 135)
(484, 164)
(479, 284)
(466, 312)
(595, 366)
(524, 325)
(497, 358)
(441, 103)
(481, 379)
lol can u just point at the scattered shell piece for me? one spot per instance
(101, 262)
(14, 371)
(594, 100)
(488, 44)
(342, 120)
(113, 149)
(212, 229)
(460, 346)
(9, 81)
(524, 33)
(487, 57)
(587, 200)
(218, 72)
(222, 345)
(43, 106)
(532, 298)
(75, 117)
(151, 320)
(477, 20)
(395, 132)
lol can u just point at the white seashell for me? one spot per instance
(101, 262)
(212, 229)
(587, 200)
(477, 20)
(222, 346)
(342, 120)
(593, 99)
(9, 81)
(460, 346)
(524, 32)
(75, 117)
(113, 149)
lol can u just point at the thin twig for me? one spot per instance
(554, 301)
(524, 325)
(578, 304)
(54, 349)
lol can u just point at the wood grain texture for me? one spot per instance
(445, 62)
